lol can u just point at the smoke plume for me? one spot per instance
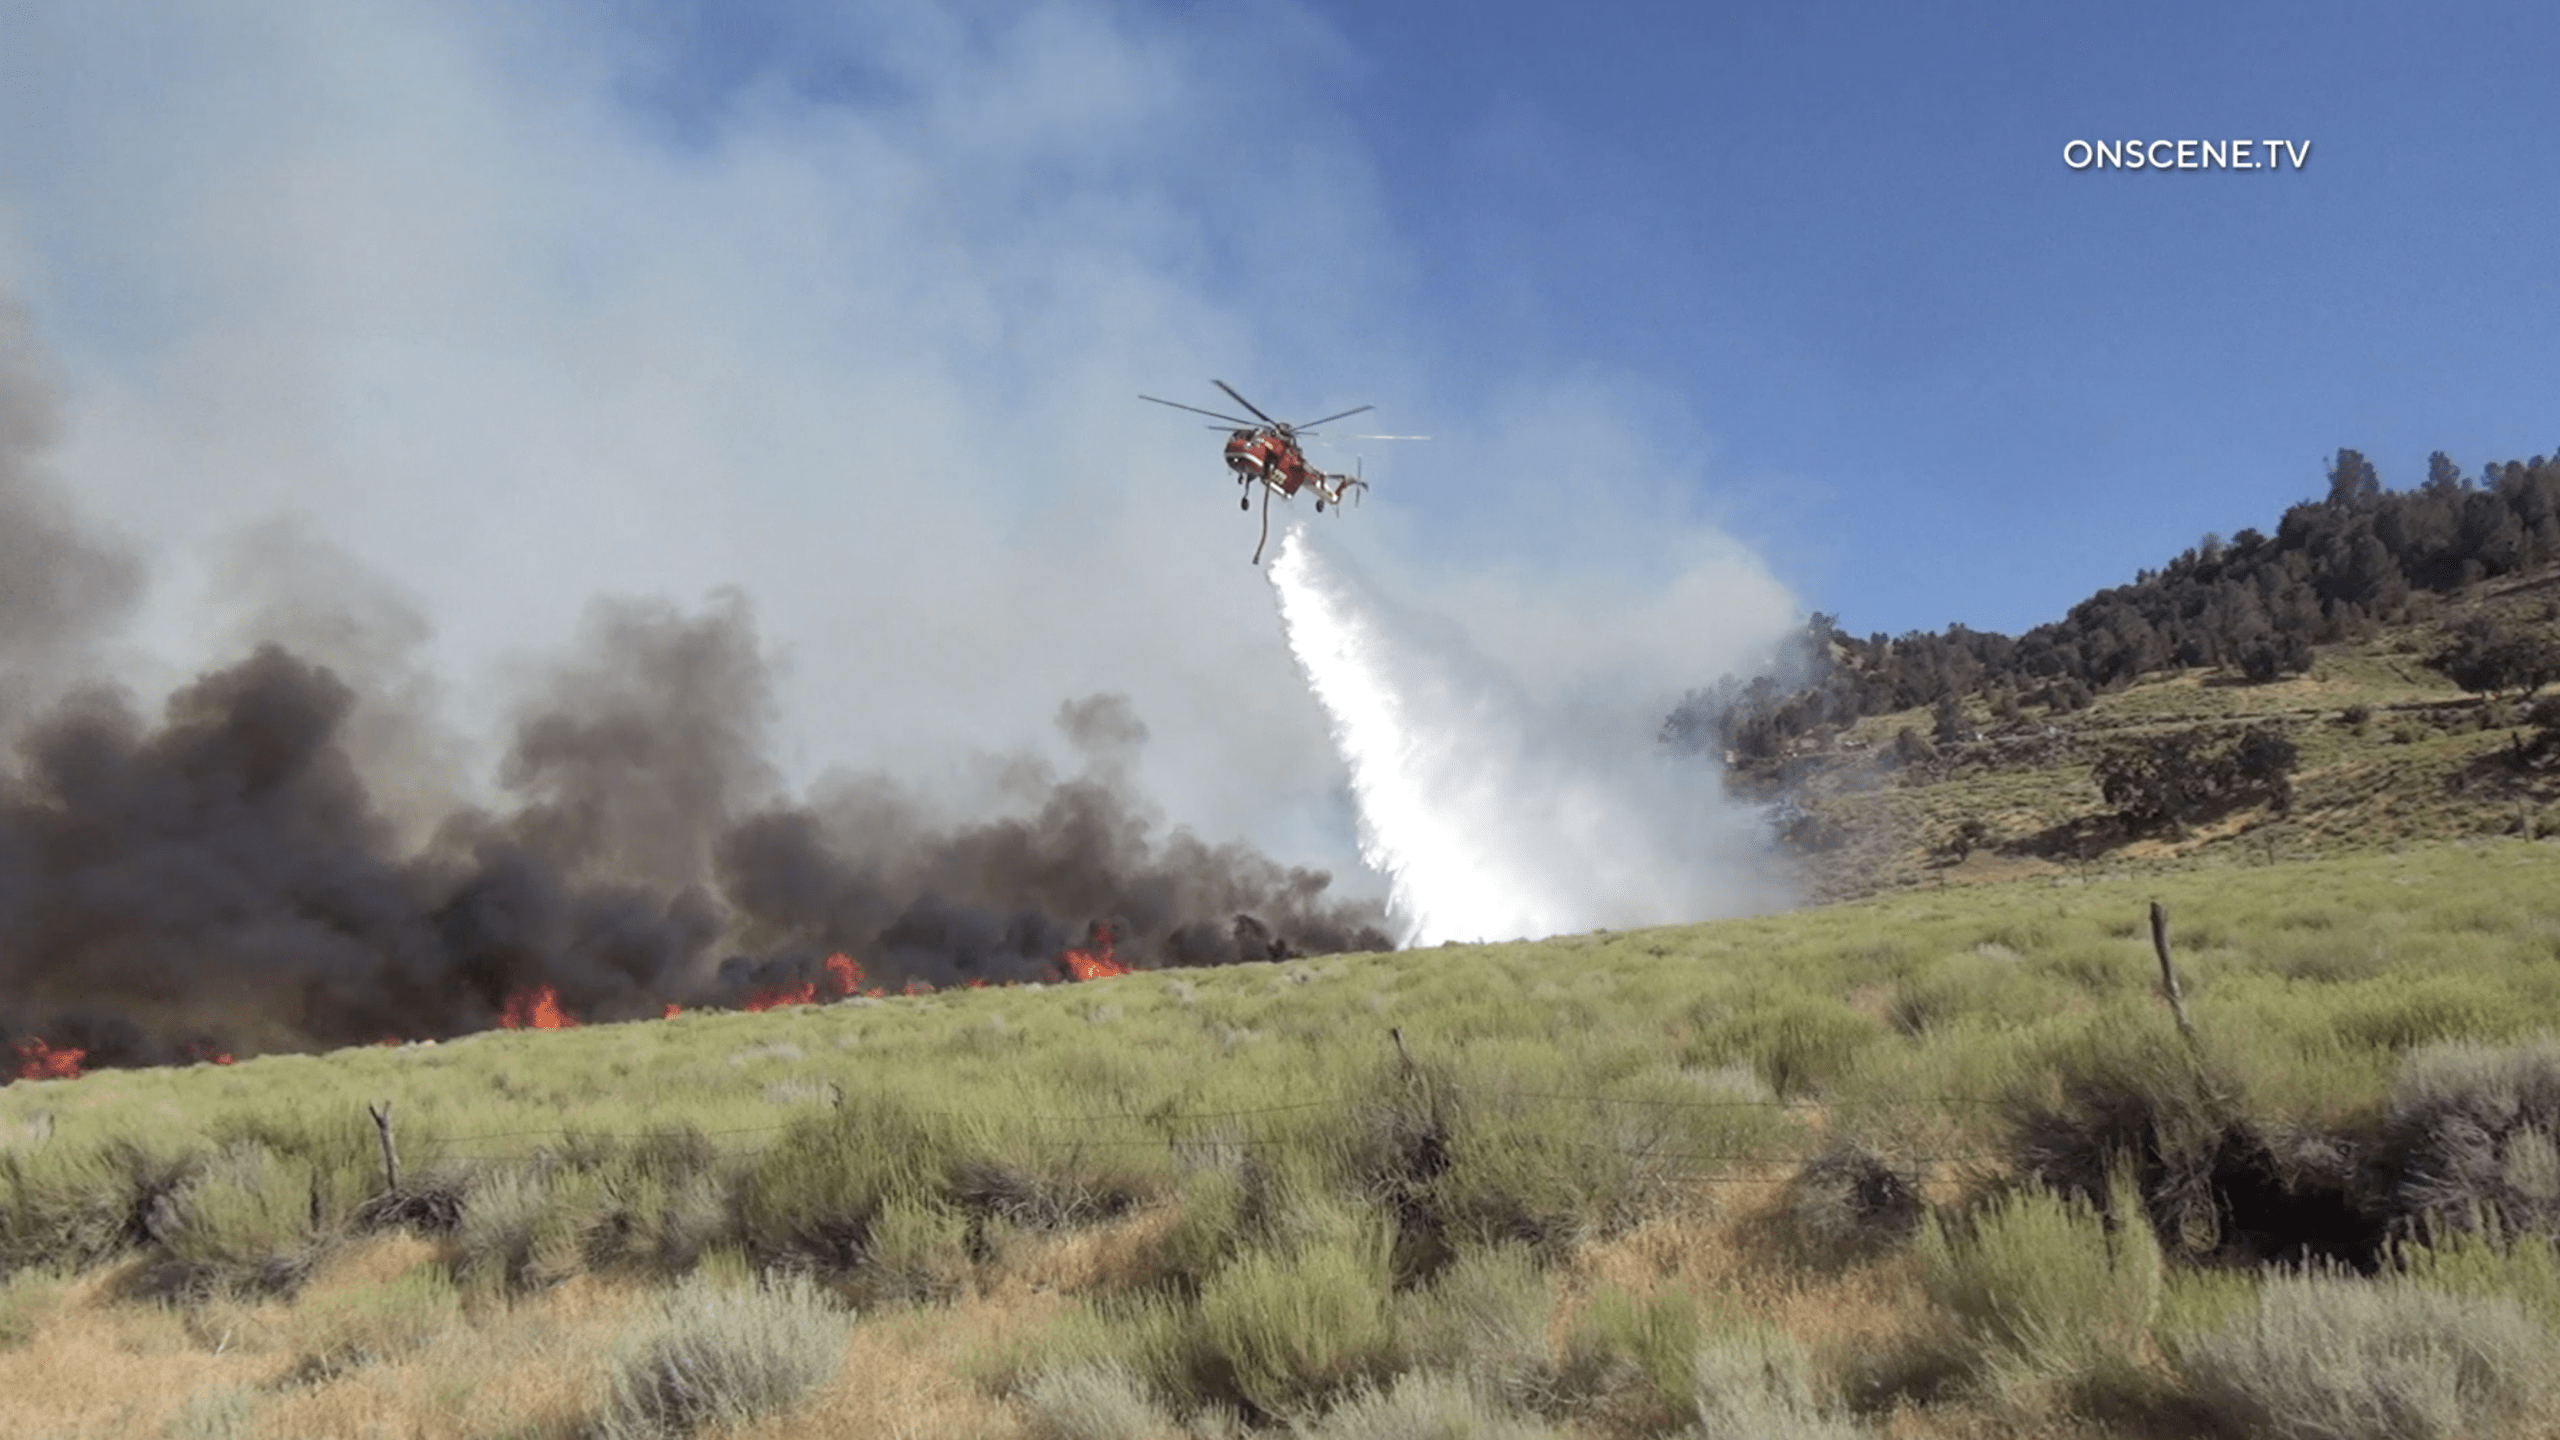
(60, 588)
(223, 878)
(509, 308)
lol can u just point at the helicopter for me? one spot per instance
(1267, 450)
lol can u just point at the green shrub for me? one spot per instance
(1047, 1185)
(721, 1355)
(1082, 1333)
(1549, 1168)
(2328, 1357)
(809, 1200)
(77, 1207)
(1206, 1233)
(1802, 1044)
(2401, 1011)
(1484, 1317)
(1421, 1405)
(666, 1226)
(1635, 1357)
(660, 1201)
(1955, 987)
(1096, 1400)
(332, 1146)
(27, 1300)
(522, 1227)
(2523, 1268)
(1757, 1385)
(2039, 1287)
(371, 1324)
(2195, 1298)
(1283, 1334)
(917, 1250)
(217, 1412)
(2468, 1135)
(2132, 1097)
(241, 1221)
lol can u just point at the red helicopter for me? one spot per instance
(1267, 450)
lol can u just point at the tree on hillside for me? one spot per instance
(2485, 654)
(2353, 482)
(2257, 603)
(2444, 478)
(2177, 779)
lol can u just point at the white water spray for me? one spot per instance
(1490, 817)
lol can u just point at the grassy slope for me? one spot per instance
(2422, 767)
(1596, 1080)
(1598, 1012)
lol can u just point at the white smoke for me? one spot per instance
(1494, 814)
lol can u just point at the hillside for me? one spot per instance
(2379, 659)
(1763, 1176)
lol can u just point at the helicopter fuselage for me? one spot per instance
(1269, 452)
(1269, 456)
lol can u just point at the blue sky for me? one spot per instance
(1941, 377)
(1717, 315)
(1935, 375)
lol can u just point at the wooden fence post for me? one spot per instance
(2169, 972)
(390, 1157)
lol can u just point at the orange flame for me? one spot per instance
(39, 1061)
(536, 1009)
(776, 996)
(673, 1010)
(842, 971)
(1096, 963)
(847, 974)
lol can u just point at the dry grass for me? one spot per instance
(1733, 1252)
(904, 1379)
(106, 1367)
(530, 1368)
(1116, 1258)
(533, 1366)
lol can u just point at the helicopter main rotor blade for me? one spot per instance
(1329, 419)
(1381, 437)
(1212, 414)
(1249, 405)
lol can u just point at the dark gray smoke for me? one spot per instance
(859, 868)
(223, 879)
